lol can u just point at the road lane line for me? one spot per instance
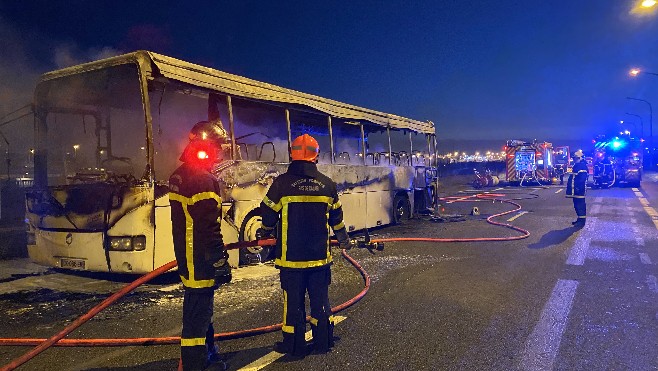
(639, 241)
(652, 282)
(644, 258)
(559, 190)
(578, 252)
(544, 342)
(516, 216)
(269, 358)
(635, 189)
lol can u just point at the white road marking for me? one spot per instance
(516, 216)
(544, 342)
(269, 358)
(559, 190)
(578, 252)
(459, 199)
(635, 189)
(652, 282)
(638, 194)
(499, 189)
(639, 241)
(644, 258)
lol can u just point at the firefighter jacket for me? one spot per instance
(577, 180)
(194, 195)
(304, 203)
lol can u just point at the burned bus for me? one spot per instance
(109, 133)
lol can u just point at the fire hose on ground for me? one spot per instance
(58, 339)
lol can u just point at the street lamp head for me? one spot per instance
(634, 72)
(648, 3)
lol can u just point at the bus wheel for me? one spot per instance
(256, 254)
(401, 209)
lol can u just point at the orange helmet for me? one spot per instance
(304, 148)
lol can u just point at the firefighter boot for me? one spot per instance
(293, 344)
(321, 336)
(214, 359)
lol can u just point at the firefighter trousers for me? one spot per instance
(295, 283)
(197, 337)
(581, 209)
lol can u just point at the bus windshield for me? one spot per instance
(91, 127)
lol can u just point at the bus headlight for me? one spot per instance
(128, 243)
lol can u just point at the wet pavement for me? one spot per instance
(564, 298)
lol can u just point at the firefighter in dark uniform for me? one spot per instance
(196, 203)
(576, 186)
(303, 204)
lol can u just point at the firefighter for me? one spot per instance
(302, 204)
(202, 261)
(576, 186)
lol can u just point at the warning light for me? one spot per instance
(202, 155)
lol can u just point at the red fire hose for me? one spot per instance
(57, 340)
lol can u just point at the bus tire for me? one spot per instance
(257, 254)
(401, 209)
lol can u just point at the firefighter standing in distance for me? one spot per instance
(202, 261)
(576, 186)
(302, 204)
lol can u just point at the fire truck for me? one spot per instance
(529, 162)
(561, 162)
(617, 160)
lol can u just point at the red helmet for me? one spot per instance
(206, 139)
(304, 148)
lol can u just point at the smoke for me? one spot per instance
(67, 55)
(21, 64)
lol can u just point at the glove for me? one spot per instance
(264, 233)
(343, 238)
(349, 244)
(222, 271)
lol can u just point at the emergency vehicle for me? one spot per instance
(617, 160)
(528, 162)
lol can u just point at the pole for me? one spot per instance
(641, 123)
(651, 149)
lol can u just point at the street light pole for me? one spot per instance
(651, 151)
(641, 123)
(650, 114)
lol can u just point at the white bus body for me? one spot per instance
(109, 133)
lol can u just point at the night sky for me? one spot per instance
(480, 69)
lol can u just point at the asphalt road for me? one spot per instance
(562, 299)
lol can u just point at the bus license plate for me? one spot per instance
(72, 263)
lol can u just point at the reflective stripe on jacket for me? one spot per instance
(194, 195)
(303, 204)
(576, 185)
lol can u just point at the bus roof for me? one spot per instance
(235, 85)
